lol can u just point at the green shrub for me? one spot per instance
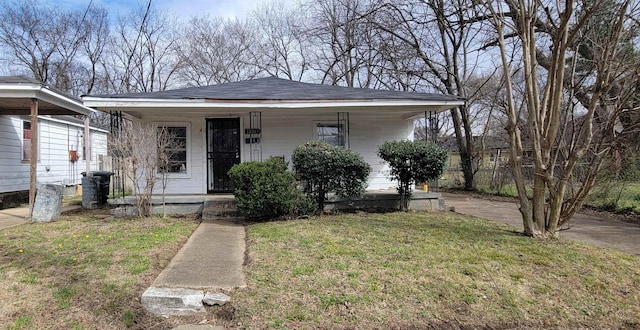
(324, 168)
(264, 190)
(412, 162)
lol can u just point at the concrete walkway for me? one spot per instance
(597, 230)
(211, 259)
(17, 216)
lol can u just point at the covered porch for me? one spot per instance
(223, 125)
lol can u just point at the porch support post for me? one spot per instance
(33, 156)
(87, 144)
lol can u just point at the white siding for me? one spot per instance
(56, 139)
(280, 136)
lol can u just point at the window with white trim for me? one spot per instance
(331, 133)
(177, 153)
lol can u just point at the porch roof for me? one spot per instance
(273, 93)
(16, 93)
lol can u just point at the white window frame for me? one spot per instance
(188, 165)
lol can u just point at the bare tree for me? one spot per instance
(215, 51)
(141, 149)
(166, 146)
(94, 46)
(438, 43)
(571, 113)
(141, 55)
(282, 49)
(340, 36)
(47, 43)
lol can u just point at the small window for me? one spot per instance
(26, 140)
(177, 151)
(331, 133)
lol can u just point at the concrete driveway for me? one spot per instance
(597, 230)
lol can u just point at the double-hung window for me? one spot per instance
(176, 150)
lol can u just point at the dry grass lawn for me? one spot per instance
(396, 270)
(421, 270)
(85, 271)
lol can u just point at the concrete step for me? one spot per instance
(220, 209)
(173, 301)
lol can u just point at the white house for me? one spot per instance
(225, 124)
(61, 151)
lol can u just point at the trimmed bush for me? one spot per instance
(324, 168)
(412, 162)
(264, 190)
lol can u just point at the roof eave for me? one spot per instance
(40, 92)
(113, 103)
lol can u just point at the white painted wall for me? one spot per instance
(56, 138)
(282, 133)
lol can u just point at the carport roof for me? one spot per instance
(16, 93)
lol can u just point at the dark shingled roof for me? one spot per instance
(18, 80)
(274, 88)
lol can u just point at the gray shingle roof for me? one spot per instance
(273, 88)
(17, 80)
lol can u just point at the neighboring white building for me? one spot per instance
(62, 151)
(225, 124)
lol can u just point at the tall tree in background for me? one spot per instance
(340, 39)
(439, 35)
(282, 50)
(141, 56)
(51, 45)
(216, 51)
(573, 101)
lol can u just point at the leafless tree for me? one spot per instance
(49, 44)
(215, 51)
(141, 54)
(94, 45)
(282, 49)
(579, 76)
(340, 37)
(144, 151)
(439, 44)
(166, 146)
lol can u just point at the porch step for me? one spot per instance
(222, 208)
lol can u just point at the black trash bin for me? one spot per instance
(97, 188)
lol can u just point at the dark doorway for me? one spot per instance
(223, 151)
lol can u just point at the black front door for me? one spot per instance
(223, 151)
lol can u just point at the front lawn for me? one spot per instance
(85, 271)
(418, 270)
